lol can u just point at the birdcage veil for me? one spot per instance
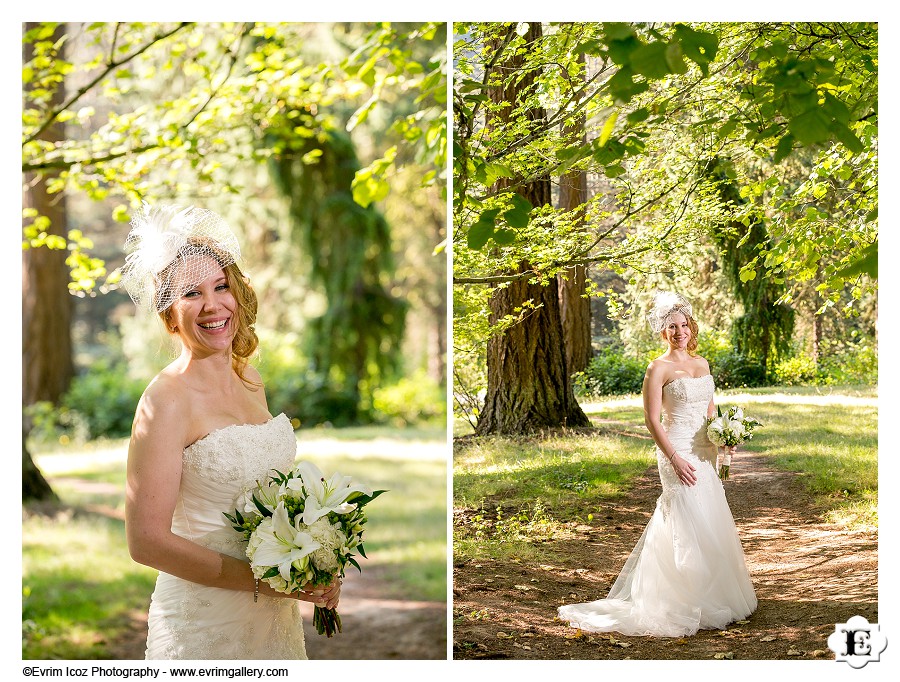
(170, 250)
(664, 304)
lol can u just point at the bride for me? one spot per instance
(687, 571)
(202, 436)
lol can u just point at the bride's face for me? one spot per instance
(204, 315)
(677, 332)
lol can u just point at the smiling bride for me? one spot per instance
(687, 571)
(202, 436)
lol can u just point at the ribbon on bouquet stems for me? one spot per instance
(723, 463)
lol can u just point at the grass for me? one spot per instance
(510, 494)
(81, 589)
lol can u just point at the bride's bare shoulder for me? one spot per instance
(658, 370)
(702, 364)
(165, 398)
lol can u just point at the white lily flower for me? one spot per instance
(281, 544)
(267, 493)
(738, 414)
(737, 428)
(325, 496)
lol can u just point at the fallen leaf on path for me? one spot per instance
(742, 622)
(795, 652)
(768, 638)
(729, 655)
(818, 652)
(503, 635)
(578, 634)
(524, 588)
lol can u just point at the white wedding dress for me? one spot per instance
(192, 621)
(687, 571)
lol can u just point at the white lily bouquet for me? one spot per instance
(728, 430)
(302, 531)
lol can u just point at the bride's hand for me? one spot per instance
(326, 596)
(684, 470)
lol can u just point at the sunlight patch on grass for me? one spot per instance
(551, 468)
(493, 533)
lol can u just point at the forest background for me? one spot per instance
(595, 164)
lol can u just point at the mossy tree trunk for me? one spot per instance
(529, 388)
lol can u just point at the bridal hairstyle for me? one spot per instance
(171, 250)
(666, 304)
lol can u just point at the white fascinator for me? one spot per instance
(664, 304)
(171, 250)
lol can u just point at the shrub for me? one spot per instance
(410, 401)
(796, 371)
(734, 370)
(103, 399)
(611, 372)
(849, 363)
(100, 403)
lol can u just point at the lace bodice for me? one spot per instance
(192, 621)
(218, 473)
(685, 400)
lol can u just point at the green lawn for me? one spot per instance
(81, 588)
(509, 493)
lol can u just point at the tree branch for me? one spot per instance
(64, 163)
(112, 65)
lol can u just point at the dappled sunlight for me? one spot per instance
(312, 446)
(796, 399)
(595, 405)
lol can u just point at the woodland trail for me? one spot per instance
(808, 575)
(374, 627)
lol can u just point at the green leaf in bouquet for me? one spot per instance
(271, 573)
(353, 561)
(363, 500)
(262, 508)
(234, 522)
(362, 551)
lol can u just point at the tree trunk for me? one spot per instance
(47, 365)
(574, 306)
(528, 378)
(34, 485)
(528, 383)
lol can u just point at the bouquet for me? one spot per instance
(728, 430)
(302, 530)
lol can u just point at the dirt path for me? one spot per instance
(808, 575)
(374, 627)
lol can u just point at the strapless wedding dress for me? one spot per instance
(687, 571)
(192, 621)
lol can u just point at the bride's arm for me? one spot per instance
(151, 492)
(652, 396)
